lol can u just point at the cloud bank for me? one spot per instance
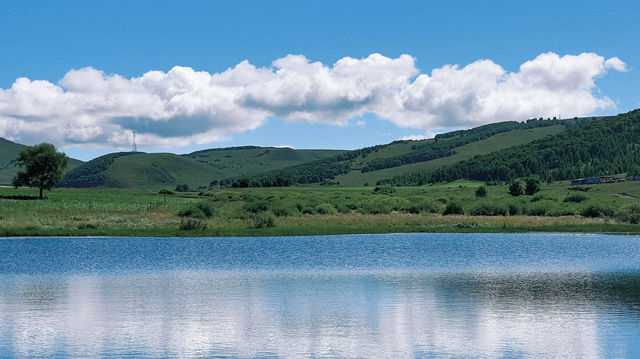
(183, 106)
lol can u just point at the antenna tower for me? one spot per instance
(134, 148)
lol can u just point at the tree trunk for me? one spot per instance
(41, 187)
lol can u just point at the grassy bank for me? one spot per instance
(453, 207)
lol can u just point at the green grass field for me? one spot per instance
(320, 210)
(494, 143)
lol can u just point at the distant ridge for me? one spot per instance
(153, 171)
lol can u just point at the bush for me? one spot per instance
(576, 198)
(630, 214)
(537, 210)
(515, 189)
(423, 205)
(262, 220)
(202, 210)
(256, 206)
(182, 187)
(375, 205)
(532, 186)
(453, 208)
(514, 209)
(165, 191)
(488, 209)
(481, 192)
(325, 208)
(595, 211)
(384, 190)
(189, 224)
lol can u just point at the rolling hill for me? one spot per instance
(153, 171)
(606, 145)
(371, 165)
(9, 153)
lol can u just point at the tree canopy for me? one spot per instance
(43, 167)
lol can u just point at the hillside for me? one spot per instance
(153, 171)
(606, 145)
(373, 164)
(491, 144)
(9, 153)
(250, 160)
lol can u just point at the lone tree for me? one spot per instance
(44, 167)
(481, 192)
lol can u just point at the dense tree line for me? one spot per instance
(91, 174)
(606, 145)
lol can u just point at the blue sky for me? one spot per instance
(46, 40)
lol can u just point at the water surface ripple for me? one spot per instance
(353, 296)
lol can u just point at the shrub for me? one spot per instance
(201, 210)
(375, 205)
(325, 208)
(453, 208)
(595, 211)
(182, 187)
(537, 210)
(630, 214)
(532, 186)
(514, 209)
(515, 189)
(189, 224)
(263, 219)
(165, 191)
(576, 198)
(488, 209)
(384, 190)
(481, 192)
(423, 205)
(256, 206)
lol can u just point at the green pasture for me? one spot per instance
(301, 210)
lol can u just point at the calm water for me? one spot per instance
(373, 296)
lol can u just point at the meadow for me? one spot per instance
(308, 210)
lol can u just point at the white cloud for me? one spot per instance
(414, 138)
(182, 106)
(616, 64)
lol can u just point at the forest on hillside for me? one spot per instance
(607, 145)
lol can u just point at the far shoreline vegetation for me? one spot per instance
(456, 207)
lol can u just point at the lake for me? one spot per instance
(351, 296)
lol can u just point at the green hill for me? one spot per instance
(8, 155)
(153, 171)
(494, 143)
(250, 160)
(377, 163)
(606, 145)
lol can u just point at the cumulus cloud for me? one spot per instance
(183, 106)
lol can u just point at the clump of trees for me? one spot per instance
(43, 167)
